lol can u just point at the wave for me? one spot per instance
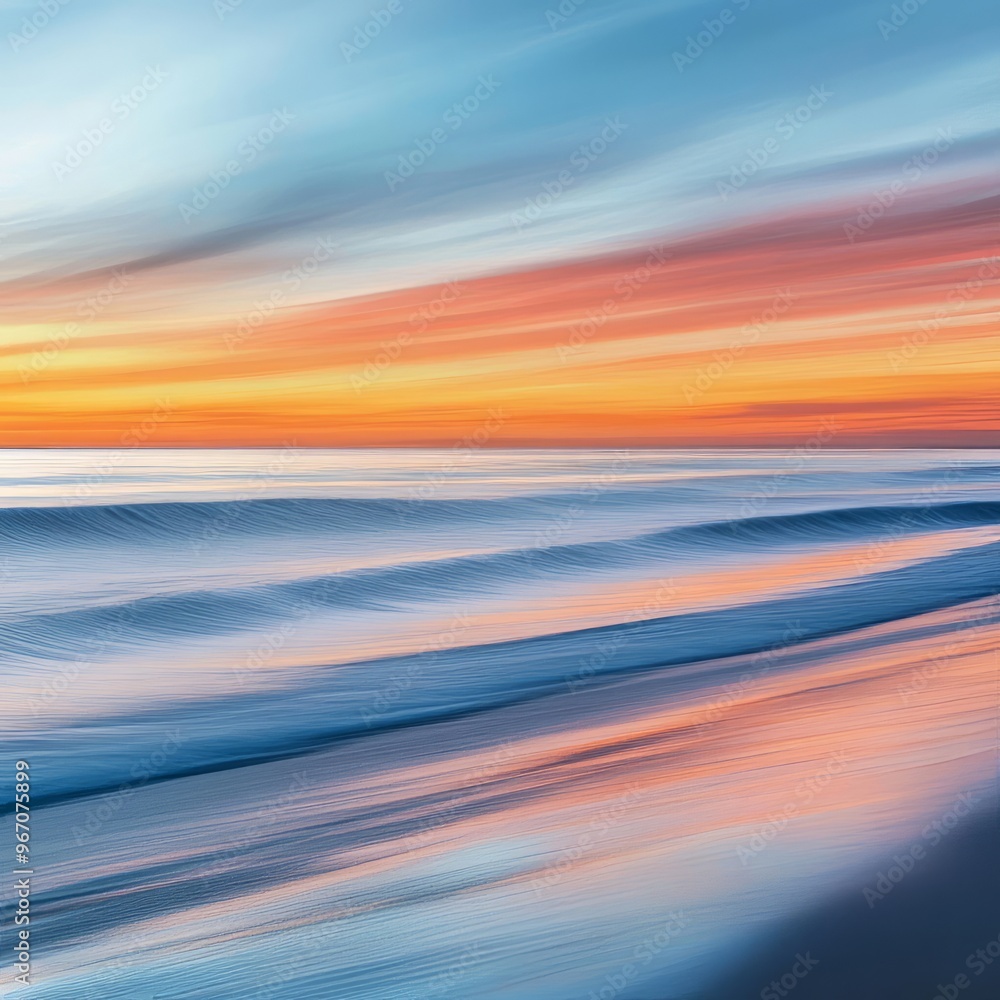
(317, 705)
(429, 583)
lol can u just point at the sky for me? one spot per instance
(590, 223)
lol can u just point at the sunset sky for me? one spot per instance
(638, 222)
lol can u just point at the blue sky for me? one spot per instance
(558, 78)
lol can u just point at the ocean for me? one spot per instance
(516, 725)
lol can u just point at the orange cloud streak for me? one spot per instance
(755, 336)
